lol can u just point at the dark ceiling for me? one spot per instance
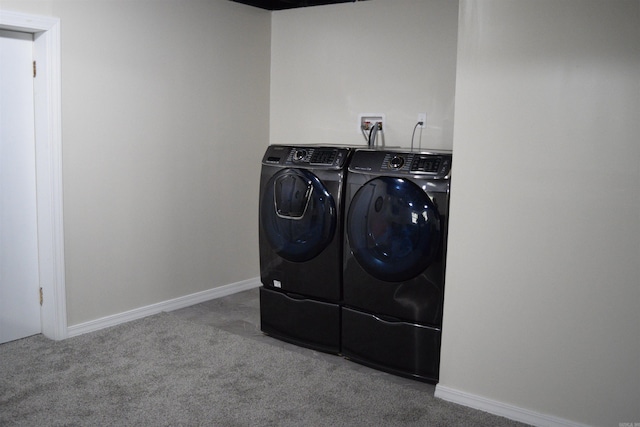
(289, 4)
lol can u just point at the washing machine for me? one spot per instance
(301, 241)
(396, 206)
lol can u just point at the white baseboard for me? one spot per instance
(170, 305)
(502, 409)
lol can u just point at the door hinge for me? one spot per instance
(34, 69)
(41, 297)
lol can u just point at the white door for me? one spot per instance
(19, 282)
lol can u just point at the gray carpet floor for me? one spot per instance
(169, 370)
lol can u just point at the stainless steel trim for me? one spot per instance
(306, 205)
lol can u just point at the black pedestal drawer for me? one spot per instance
(405, 349)
(299, 320)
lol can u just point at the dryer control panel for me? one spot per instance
(307, 156)
(425, 164)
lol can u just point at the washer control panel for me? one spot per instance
(427, 164)
(308, 157)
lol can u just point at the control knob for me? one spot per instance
(299, 154)
(396, 162)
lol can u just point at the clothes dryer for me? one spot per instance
(394, 260)
(300, 238)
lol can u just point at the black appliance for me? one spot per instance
(290, 4)
(300, 239)
(394, 260)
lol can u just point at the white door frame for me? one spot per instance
(48, 132)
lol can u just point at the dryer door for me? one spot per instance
(297, 214)
(393, 229)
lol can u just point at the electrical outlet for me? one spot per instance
(422, 117)
(366, 121)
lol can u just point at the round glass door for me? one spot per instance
(297, 215)
(393, 229)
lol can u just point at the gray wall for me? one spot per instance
(543, 273)
(163, 103)
(329, 64)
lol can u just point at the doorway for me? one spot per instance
(45, 32)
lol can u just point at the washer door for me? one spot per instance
(297, 215)
(393, 229)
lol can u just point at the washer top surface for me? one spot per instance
(429, 165)
(311, 157)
